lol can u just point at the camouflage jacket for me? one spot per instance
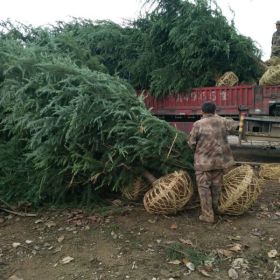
(275, 44)
(208, 139)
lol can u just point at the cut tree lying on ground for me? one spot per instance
(67, 129)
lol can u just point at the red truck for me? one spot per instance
(259, 104)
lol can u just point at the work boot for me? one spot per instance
(209, 219)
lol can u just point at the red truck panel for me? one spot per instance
(270, 96)
(227, 99)
(182, 109)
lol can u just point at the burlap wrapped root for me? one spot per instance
(271, 77)
(169, 194)
(227, 79)
(240, 191)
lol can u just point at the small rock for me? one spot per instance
(67, 259)
(232, 274)
(190, 266)
(50, 224)
(272, 253)
(16, 244)
(240, 263)
(60, 239)
(114, 235)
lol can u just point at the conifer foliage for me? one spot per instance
(67, 129)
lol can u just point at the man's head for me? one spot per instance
(208, 108)
(277, 24)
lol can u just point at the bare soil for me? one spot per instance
(123, 241)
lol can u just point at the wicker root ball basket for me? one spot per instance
(270, 171)
(271, 76)
(136, 190)
(228, 79)
(240, 191)
(169, 194)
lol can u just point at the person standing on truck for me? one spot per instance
(212, 154)
(275, 43)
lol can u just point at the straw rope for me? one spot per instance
(270, 171)
(240, 191)
(169, 193)
(227, 79)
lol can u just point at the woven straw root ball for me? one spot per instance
(228, 79)
(270, 171)
(136, 190)
(271, 76)
(241, 190)
(273, 61)
(169, 194)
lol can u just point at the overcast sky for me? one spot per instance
(253, 18)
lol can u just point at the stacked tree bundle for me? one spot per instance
(68, 129)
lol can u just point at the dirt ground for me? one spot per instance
(123, 241)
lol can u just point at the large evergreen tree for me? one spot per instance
(70, 129)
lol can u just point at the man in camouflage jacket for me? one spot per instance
(212, 154)
(275, 44)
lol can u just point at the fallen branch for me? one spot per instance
(18, 213)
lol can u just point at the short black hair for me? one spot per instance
(208, 107)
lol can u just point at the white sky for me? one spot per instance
(253, 18)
